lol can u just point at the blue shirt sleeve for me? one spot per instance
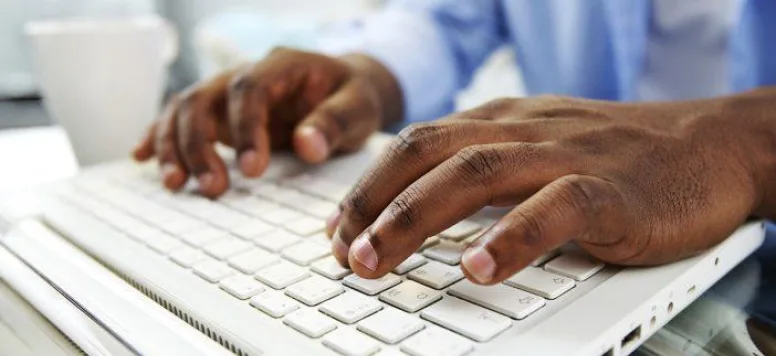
(432, 47)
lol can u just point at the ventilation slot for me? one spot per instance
(213, 335)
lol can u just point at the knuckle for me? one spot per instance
(498, 105)
(550, 98)
(191, 99)
(241, 82)
(417, 139)
(356, 204)
(404, 208)
(480, 163)
(585, 195)
(530, 229)
(337, 118)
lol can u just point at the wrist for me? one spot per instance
(374, 73)
(751, 117)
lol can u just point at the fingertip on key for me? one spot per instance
(364, 252)
(250, 163)
(479, 263)
(172, 176)
(332, 222)
(312, 144)
(340, 249)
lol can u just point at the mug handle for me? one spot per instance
(172, 42)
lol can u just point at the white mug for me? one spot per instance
(102, 80)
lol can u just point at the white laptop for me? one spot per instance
(118, 263)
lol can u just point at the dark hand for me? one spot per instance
(316, 104)
(632, 184)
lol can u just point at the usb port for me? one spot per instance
(630, 340)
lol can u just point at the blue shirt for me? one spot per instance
(585, 48)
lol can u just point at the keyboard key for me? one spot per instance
(180, 225)
(281, 216)
(187, 256)
(350, 342)
(372, 286)
(390, 326)
(226, 247)
(143, 232)
(460, 231)
(203, 236)
(319, 208)
(254, 206)
(253, 260)
(436, 275)
(266, 190)
(213, 271)
(281, 275)
(320, 239)
(410, 296)
(544, 258)
(305, 253)
(275, 304)
(330, 268)
(314, 290)
(310, 322)
(476, 323)
(540, 282)
(448, 252)
(306, 226)
(506, 300)
(164, 243)
(430, 241)
(277, 240)
(241, 286)
(252, 229)
(226, 218)
(350, 307)
(414, 261)
(574, 265)
(434, 341)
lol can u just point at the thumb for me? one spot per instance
(341, 122)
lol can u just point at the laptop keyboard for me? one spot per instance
(263, 244)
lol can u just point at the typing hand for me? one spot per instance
(315, 104)
(632, 184)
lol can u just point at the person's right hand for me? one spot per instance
(315, 104)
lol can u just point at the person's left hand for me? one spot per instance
(633, 184)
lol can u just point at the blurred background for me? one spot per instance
(214, 34)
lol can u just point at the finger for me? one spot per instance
(569, 208)
(478, 176)
(415, 152)
(196, 134)
(173, 170)
(145, 148)
(249, 107)
(344, 121)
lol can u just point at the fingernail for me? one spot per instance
(315, 139)
(168, 169)
(479, 263)
(333, 221)
(364, 252)
(248, 161)
(339, 247)
(205, 180)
